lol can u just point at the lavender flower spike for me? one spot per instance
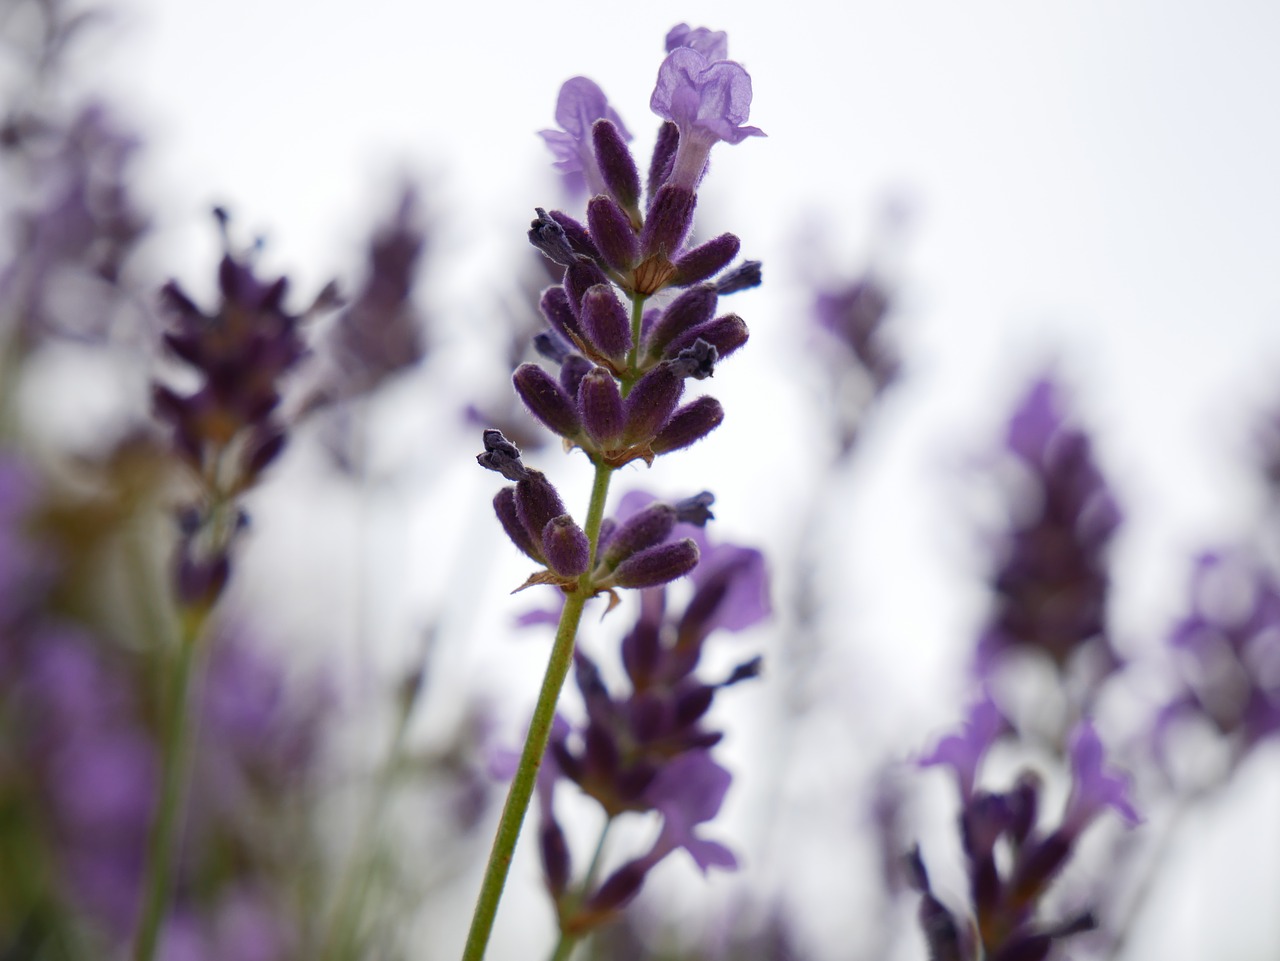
(580, 104)
(708, 101)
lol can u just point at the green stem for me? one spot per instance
(633, 356)
(175, 747)
(535, 745)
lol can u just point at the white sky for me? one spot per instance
(1091, 181)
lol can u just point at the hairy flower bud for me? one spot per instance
(560, 314)
(577, 235)
(706, 260)
(656, 565)
(565, 546)
(572, 371)
(580, 278)
(726, 334)
(504, 505)
(612, 231)
(689, 424)
(664, 155)
(651, 526)
(605, 322)
(600, 405)
(692, 308)
(651, 403)
(549, 237)
(670, 216)
(617, 167)
(546, 399)
(537, 503)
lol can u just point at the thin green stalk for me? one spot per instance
(535, 745)
(175, 748)
(633, 355)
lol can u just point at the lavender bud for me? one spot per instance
(552, 345)
(565, 546)
(617, 167)
(549, 237)
(572, 371)
(642, 653)
(546, 399)
(726, 334)
(537, 502)
(605, 322)
(607, 528)
(696, 510)
(693, 307)
(201, 581)
(263, 446)
(618, 890)
(556, 864)
(693, 704)
(743, 277)
(650, 403)
(657, 565)
(600, 404)
(698, 360)
(580, 278)
(689, 424)
(504, 505)
(560, 314)
(1024, 947)
(670, 216)
(612, 231)
(649, 527)
(664, 157)
(650, 716)
(705, 260)
(501, 455)
(746, 671)
(577, 236)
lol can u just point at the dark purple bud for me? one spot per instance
(600, 405)
(698, 360)
(1024, 947)
(580, 278)
(1038, 863)
(746, 671)
(501, 455)
(657, 565)
(743, 277)
(549, 237)
(601, 755)
(692, 308)
(696, 510)
(264, 446)
(605, 322)
(669, 220)
(1024, 803)
(201, 581)
(572, 371)
(641, 653)
(552, 344)
(693, 704)
(504, 505)
(577, 236)
(617, 167)
(537, 502)
(618, 890)
(651, 402)
(562, 317)
(607, 527)
(612, 231)
(546, 399)
(664, 157)
(565, 546)
(688, 425)
(649, 716)
(556, 864)
(706, 260)
(649, 527)
(726, 334)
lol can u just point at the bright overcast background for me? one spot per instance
(1090, 184)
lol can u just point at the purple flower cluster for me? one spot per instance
(650, 749)
(1229, 651)
(227, 430)
(1052, 584)
(1010, 860)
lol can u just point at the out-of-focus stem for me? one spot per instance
(535, 745)
(568, 941)
(175, 749)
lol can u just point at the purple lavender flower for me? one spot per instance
(1093, 788)
(1052, 584)
(580, 104)
(963, 752)
(712, 44)
(708, 101)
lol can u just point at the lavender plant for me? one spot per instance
(621, 379)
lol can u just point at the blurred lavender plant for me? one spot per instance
(621, 373)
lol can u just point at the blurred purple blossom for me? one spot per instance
(580, 104)
(712, 44)
(963, 752)
(1093, 787)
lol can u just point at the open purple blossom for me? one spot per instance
(963, 752)
(580, 104)
(712, 44)
(1093, 787)
(709, 101)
